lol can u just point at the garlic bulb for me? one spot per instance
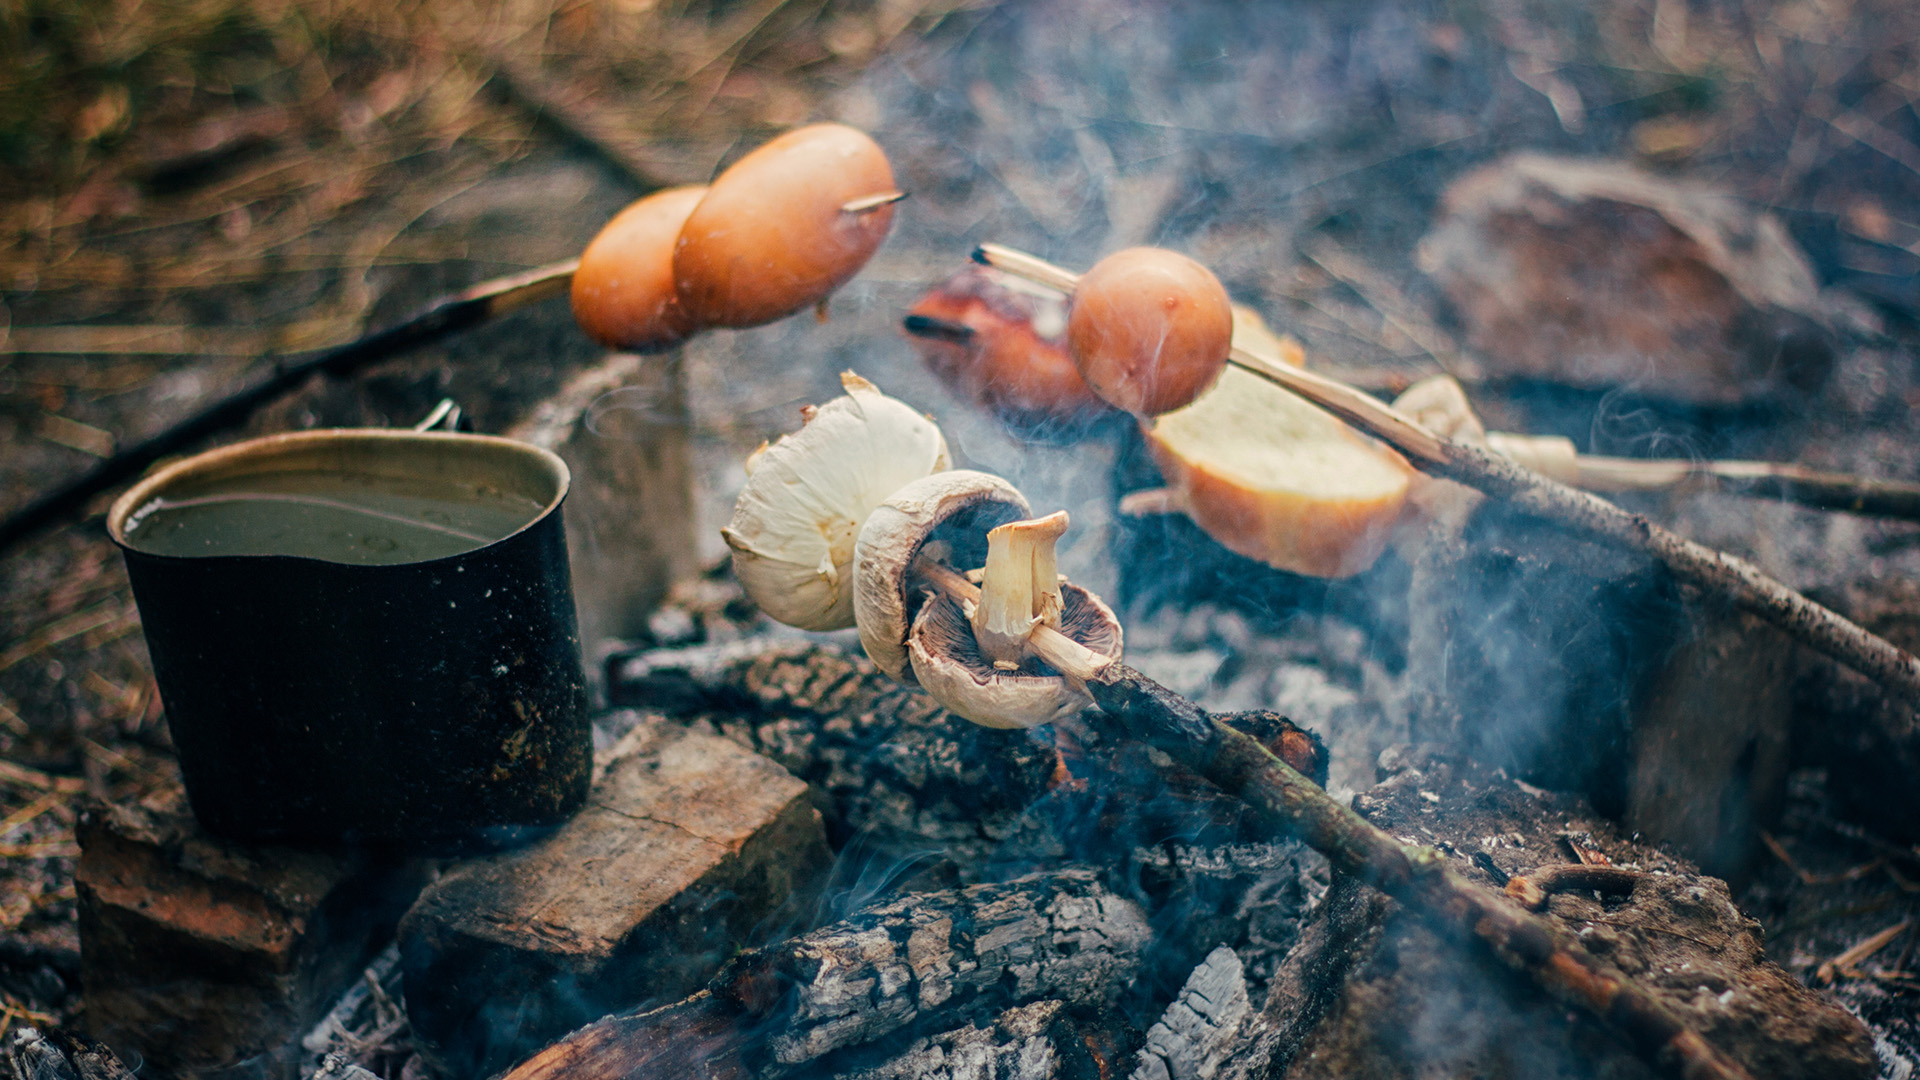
(807, 495)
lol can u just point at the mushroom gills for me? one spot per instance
(950, 665)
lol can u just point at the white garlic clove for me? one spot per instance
(806, 496)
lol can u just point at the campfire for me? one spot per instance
(933, 620)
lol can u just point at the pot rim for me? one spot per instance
(288, 443)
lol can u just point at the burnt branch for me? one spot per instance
(1418, 877)
(1532, 890)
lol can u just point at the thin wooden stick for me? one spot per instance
(449, 314)
(1720, 574)
(1763, 479)
(1419, 877)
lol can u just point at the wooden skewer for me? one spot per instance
(449, 314)
(1554, 457)
(870, 203)
(1728, 576)
(1419, 877)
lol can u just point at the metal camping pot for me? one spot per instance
(436, 705)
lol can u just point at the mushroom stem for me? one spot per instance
(1740, 582)
(1419, 877)
(1062, 653)
(1019, 589)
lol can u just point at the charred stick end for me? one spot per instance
(926, 326)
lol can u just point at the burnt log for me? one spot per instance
(883, 761)
(1211, 1030)
(912, 968)
(687, 844)
(61, 1055)
(1374, 991)
(1584, 668)
(621, 426)
(1041, 1041)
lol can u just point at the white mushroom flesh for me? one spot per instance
(806, 496)
(1019, 588)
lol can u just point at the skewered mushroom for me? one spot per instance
(974, 657)
(946, 515)
(807, 496)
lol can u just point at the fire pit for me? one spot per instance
(1264, 736)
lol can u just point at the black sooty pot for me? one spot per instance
(431, 706)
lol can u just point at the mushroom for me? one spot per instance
(808, 494)
(979, 661)
(947, 516)
(974, 657)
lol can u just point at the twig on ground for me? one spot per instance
(1848, 963)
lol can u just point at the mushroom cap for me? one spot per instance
(949, 664)
(957, 508)
(808, 494)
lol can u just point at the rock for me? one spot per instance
(200, 953)
(687, 843)
(622, 428)
(1582, 668)
(1598, 274)
(1371, 991)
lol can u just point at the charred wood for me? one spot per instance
(1210, 1030)
(1367, 964)
(883, 761)
(1041, 1041)
(1847, 722)
(924, 963)
(1416, 875)
(687, 844)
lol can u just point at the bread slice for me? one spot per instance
(1276, 479)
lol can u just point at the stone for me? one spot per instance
(200, 953)
(1582, 668)
(621, 426)
(1600, 275)
(687, 844)
(1850, 725)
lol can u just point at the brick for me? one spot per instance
(199, 953)
(688, 842)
